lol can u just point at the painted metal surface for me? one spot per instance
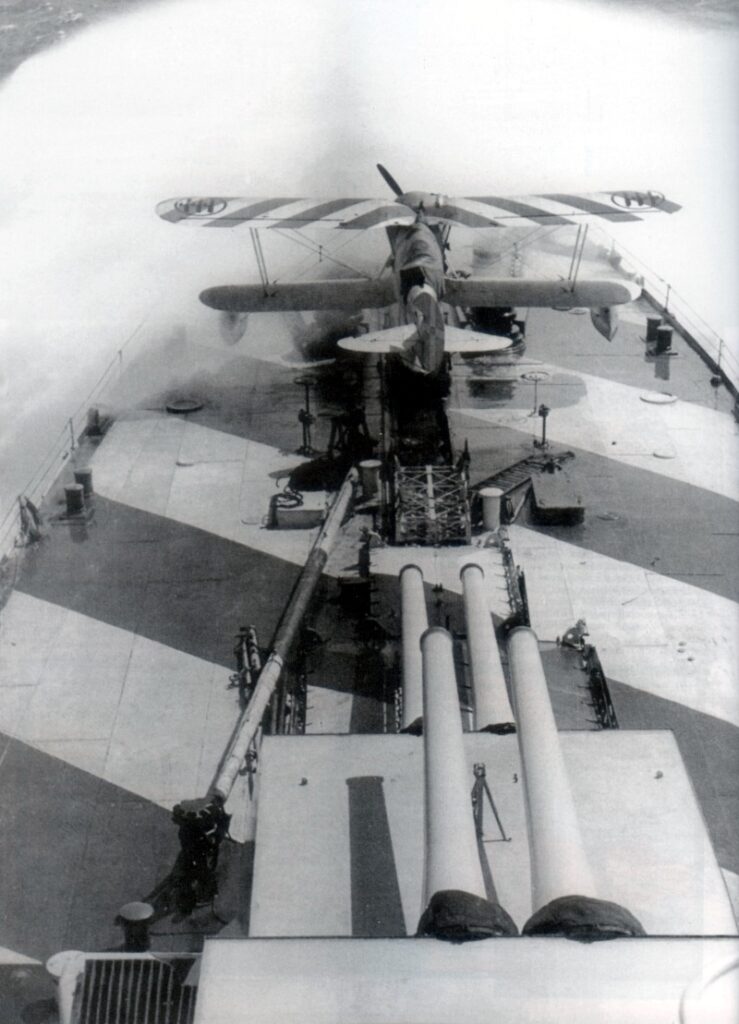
(452, 858)
(492, 706)
(559, 863)
(414, 623)
(290, 623)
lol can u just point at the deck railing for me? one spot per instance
(701, 336)
(60, 450)
(707, 343)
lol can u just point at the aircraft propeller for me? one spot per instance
(419, 202)
(390, 180)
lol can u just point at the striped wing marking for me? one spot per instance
(284, 212)
(359, 214)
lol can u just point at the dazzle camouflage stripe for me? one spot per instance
(272, 213)
(244, 213)
(359, 213)
(590, 206)
(519, 209)
(462, 215)
(173, 215)
(320, 212)
(381, 215)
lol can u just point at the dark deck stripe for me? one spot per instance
(74, 848)
(320, 212)
(168, 582)
(708, 747)
(519, 209)
(250, 212)
(590, 206)
(651, 510)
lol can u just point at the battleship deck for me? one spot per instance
(116, 641)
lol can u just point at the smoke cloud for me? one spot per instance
(284, 97)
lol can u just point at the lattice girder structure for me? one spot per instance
(431, 505)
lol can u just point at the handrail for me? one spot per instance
(686, 320)
(660, 292)
(61, 448)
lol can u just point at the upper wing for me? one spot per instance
(356, 214)
(359, 214)
(550, 208)
(520, 291)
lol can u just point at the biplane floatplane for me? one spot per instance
(418, 226)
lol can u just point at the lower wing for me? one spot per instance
(356, 293)
(342, 293)
(490, 292)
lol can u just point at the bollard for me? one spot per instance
(369, 476)
(74, 495)
(455, 896)
(492, 708)
(134, 919)
(84, 477)
(562, 885)
(94, 428)
(414, 623)
(491, 502)
(663, 339)
(653, 323)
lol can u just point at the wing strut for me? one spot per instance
(577, 252)
(259, 255)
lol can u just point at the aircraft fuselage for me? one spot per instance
(418, 264)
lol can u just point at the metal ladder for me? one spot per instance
(518, 475)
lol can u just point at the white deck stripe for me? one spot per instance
(9, 956)
(143, 716)
(611, 420)
(201, 477)
(731, 881)
(660, 635)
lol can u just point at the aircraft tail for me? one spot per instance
(423, 307)
(401, 341)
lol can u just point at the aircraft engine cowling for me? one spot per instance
(428, 201)
(605, 321)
